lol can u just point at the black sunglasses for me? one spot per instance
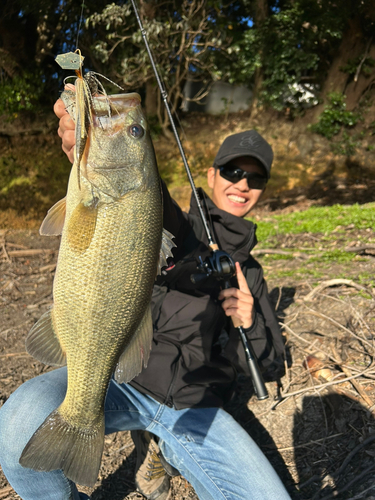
(234, 174)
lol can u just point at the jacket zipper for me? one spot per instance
(169, 398)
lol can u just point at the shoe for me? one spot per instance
(169, 469)
(151, 479)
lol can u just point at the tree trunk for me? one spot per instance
(353, 45)
(151, 98)
(261, 13)
(356, 89)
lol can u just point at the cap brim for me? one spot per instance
(227, 159)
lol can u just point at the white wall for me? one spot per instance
(221, 96)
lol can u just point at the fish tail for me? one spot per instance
(59, 445)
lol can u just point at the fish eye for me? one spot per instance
(136, 130)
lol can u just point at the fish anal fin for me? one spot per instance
(165, 249)
(54, 221)
(137, 352)
(57, 444)
(81, 227)
(42, 342)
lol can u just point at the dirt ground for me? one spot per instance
(317, 430)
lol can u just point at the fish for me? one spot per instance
(112, 247)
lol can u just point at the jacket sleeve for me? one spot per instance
(264, 334)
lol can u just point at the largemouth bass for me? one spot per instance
(111, 246)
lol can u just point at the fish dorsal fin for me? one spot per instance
(137, 352)
(81, 227)
(54, 221)
(42, 342)
(165, 249)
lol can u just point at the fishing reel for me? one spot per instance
(219, 265)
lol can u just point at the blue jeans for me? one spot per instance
(208, 447)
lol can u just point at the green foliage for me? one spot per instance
(335, 116)
(9, 170)
(32, 179)
(293, 47)
(366, 65)
(187, 39)
(318, 220)
(22, 93)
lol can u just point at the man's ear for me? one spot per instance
(211, 177)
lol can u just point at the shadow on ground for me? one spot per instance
(332, 461)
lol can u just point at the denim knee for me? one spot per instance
(26, 409)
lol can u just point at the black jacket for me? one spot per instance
(196, 352)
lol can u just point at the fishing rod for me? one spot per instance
(220, 264)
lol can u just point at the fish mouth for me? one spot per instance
(116, 103)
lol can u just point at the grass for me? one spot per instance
(333, 227)
(318, 220)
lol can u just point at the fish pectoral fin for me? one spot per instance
(42, 342)
(54, 221)
(81, 226)
(57, 444)
(165, 249)
(137, 352)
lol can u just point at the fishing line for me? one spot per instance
(164, 95)
(220, 264)
(80, 22)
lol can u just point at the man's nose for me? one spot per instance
(242, 185)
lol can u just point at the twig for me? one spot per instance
(15, 245)
(362, 494)
(6, 253)
(318, 387)
(30, 253)
(48, 267)
(272, 251)
(20, 354)
(355, 450)
(321, 315)
(363, 60)
(349, 484)
(319, 396)
(294, 333)
(334, 282)
(5, 491)
(279, 298)
(5, 332)
(45, 300)
(359, 249)
(121, 449)
(305, 445)
(355, 383)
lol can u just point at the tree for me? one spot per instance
(31, 35)
(186, 39)
(296, 44)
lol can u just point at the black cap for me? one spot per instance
(248, 143)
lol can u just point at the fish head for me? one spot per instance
(119, 156)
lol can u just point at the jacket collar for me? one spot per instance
(233, 234)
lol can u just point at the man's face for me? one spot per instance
(237, 199)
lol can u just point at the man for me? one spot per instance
(195, 357)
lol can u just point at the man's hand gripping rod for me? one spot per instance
(220, 264)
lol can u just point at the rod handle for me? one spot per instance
(256, 376)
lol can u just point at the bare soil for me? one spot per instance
(319, 438)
